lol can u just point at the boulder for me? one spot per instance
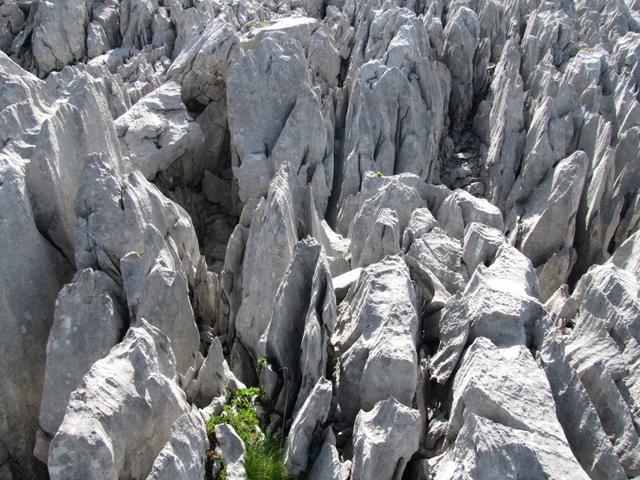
(88, 320)
(547, 223)
(307, 424)
(157, 130)
(302, 322)
(384, 440)
(627, 255)
(270, 240)
(383, 239)
(460, 41)
(58, 37)
(327, 465)
(576, 413)
(453, 332)
(77, 126)
(503, 299)
(202, 67)
(395, 114)
(113, 212)
(375, 339)
(121, 415)
(274, 117)
(212, 378)
(396, 196)
(182, 457)
(518, 416)
(481, 243)
(232, 449)
(503, 130)
(420, 223)
(33, 274)
(604, 350)
(442, 256)
(158, 290)
(461, 208)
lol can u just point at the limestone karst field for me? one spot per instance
(319, 239)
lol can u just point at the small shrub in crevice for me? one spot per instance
(264, 457)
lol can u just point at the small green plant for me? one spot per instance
(378, 173)
(264, 457)
(265, 461)
(240, 413)
(261, 362)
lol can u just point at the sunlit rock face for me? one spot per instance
(414, 225)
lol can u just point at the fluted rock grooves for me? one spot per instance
(414, 224)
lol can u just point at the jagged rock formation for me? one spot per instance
(414, 224)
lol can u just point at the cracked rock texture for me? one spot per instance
(414, 224)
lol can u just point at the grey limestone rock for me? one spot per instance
(29, 285)
(59, 34)
(233, 451)
(157, 130)
(383, 239)
(275, 117)
(414, 224)
(270, 240)
(627, 255)
(461, 208)
(113, 212)
(121, 414)
(306, 425)
(88, 320)
(394, 196)
(442, 256)
(460, 41)
(182, 457)
(518, 415)
(503, 299)
(576, 413)
(384, 439)
(375, 339)
(158, 290)
(481, 244)
(302, 322)
(327, 465)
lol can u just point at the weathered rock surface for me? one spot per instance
(113, 212)
(268, 249)
(415, 225)
(157, 130)
(29, 286)
(604, 348)
(232, 449)
(384, 439)
(461, 208)
(88, 320)
(302, 322)
(157, 289)
(275, 117)
(375, 339)
(491, 409)
(182, 457)
(121, 414)
(306, 426)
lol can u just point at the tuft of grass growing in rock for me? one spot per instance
(265, 461)
(264, 457)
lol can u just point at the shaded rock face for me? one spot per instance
(414, 225)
